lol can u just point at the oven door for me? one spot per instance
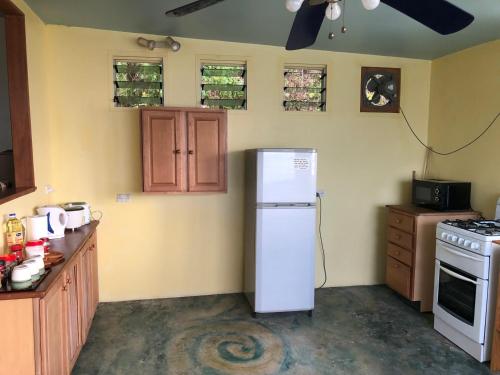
(460, 300)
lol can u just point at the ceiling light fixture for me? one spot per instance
(293, 5)
(333, 11)
(370, 4)
(169, 42)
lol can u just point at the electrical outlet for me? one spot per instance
(320, 193)
(123, 197)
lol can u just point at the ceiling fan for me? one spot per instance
(439, 15)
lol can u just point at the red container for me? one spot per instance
(46, 244)
(17, 250)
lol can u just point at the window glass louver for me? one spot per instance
(224, 86)
(305, 89)
(138, 83)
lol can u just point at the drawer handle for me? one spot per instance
(398, 236)
(177, 151)
(399, 221)
(190, 152)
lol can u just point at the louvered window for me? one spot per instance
(305, 89)
(224, 85)
(138, 83)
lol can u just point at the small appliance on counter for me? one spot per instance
(87, 215)
(466, 275)
(36, 227)
(76, 217)
(56, 219)
(441, 195)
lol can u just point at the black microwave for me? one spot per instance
(441, 195)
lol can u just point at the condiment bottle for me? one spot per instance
(14, 233)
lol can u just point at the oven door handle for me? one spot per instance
(460, 254)
(458, 276)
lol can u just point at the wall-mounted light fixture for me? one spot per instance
(169, 42)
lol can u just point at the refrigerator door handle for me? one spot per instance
(286, 205)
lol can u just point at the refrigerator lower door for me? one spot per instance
(285, 263)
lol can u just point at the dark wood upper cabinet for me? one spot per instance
(184, 150)
(16, 164)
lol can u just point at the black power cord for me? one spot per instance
(456, 150)
(321, 242)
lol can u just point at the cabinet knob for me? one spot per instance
(398, 236)
(398, 221)
(398, 252)
(396, 265)
(177, 151)
(190, 152)
(65, 287)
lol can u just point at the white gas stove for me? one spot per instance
(465, 283)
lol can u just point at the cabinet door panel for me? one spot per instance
(73, 312)
(163, 137)
(53, 330)
(94, 275)
(207, 151)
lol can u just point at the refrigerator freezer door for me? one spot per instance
(285, 263)
(286, 177)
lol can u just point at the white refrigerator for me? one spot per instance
(280, 229)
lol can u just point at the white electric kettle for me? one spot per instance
(57, 220)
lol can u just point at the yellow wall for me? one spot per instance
(161, 246)
(465, 97)
(37, 41)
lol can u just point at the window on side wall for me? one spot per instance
(304, 89)
(224, 85)
(138, 83)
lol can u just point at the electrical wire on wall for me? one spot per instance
(431, 150)
(321, 242)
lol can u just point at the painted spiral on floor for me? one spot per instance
(226, 347)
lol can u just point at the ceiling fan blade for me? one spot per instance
(438, 15)
(191, 8)
(316, 2)
(306, 26)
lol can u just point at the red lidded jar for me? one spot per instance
(17, 251)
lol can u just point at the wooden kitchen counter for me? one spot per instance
(418, 211)
(69, 246)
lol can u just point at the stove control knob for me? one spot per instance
(454, 238)
(449, 237)
(474, 246)
(461, 241)
(467, 243)
(443, 235)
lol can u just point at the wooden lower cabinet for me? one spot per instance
(53, 328)
(411, 250)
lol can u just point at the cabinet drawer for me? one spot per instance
(398, 277)
(399, 253)
(401, 221)
(400, 238)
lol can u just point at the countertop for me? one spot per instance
(417, 211)
(69, 246)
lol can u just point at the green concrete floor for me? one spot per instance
(354, 330)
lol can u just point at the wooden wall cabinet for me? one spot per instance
(184, 150)
(55, 327)
(411, 250)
